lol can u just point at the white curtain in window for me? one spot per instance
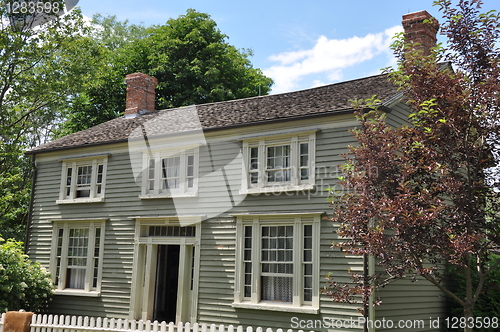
(76, 278)
(277, 289)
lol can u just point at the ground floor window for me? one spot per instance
(77, 255)
(277, 260)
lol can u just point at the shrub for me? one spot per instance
(23, 284)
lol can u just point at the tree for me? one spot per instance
(419, 197)
(194, 64)
(107, 54)
(188, 55)
(35, 78)
(23, 284)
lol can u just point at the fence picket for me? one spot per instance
(163, 326)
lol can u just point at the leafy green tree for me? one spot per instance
(419, 197)
(36, 76)
(189, 55)
(107, 54)
(194, 64)
(23, 284)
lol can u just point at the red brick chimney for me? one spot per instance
(418, 32)
(140, 94)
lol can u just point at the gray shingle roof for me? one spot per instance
(324, 100)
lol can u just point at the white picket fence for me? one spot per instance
(55, 323)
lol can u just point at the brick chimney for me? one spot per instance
(418, 32)
(140, 94)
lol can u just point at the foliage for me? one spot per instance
(36, 75)
(488, 303)
(188, 55)
(194, 64)
(418, 196)
(23, 284)
(107, 55)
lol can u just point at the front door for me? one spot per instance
(165, 273)
(167, 281)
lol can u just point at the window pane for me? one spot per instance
(304, 160)
(247, 261)
(276, 249)
(82, 193)
(170, 172)
(277, 289)
(304, 149)
(69, 177)
(307, 262)
(75, 278)
(83, 181)
(84, 175)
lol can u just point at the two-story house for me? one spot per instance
(213, 213)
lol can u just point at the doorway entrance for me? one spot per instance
(167, 282)
(166, 269)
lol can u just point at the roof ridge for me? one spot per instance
(278, 94)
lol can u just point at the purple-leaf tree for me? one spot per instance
(421, 196)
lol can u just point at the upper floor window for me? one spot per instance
(279, 163)
(169, 174)
(83, 180)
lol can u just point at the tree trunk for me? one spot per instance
(468, 305)
(469, 317)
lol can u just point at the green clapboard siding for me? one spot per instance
(217, 259)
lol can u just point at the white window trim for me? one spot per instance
(254, 302)
(88, 291)
(183, 191)
(295, 183)
(74, 163)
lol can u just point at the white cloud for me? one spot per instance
(328, 56)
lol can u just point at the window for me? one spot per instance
(279, 163)
(83, 180)
(77, 255)
(277, 263)
(170, 174)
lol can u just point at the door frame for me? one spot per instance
(144, 268)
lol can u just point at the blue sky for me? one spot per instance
(300, 44)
